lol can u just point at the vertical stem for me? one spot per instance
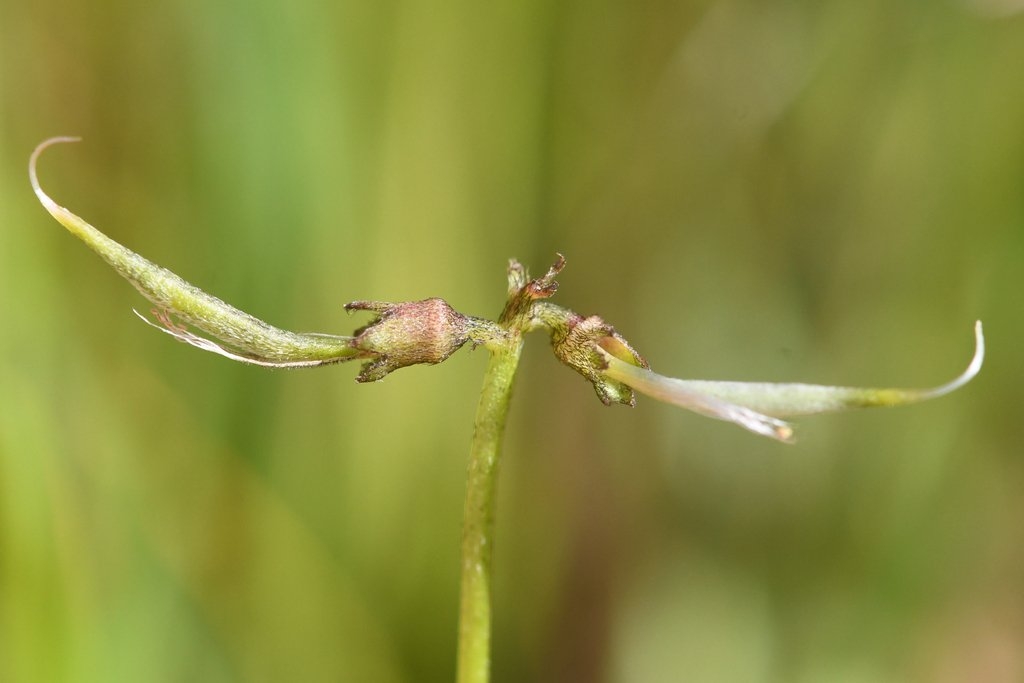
(474, 657)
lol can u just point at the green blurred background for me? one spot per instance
(794, 191)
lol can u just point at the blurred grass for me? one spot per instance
(825, 192)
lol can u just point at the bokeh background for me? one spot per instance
(785, 190)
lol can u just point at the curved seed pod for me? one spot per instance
(756, 405)
(248, 338)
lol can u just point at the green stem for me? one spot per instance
(474, 656)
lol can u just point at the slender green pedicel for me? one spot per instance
(254, 340)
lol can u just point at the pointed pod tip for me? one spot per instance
(979, 336)
(904, 396)
(49, 142)
(33, 160)
(57, 139)
(977, 360)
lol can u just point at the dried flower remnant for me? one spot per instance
(579, 342)
(413, 332)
